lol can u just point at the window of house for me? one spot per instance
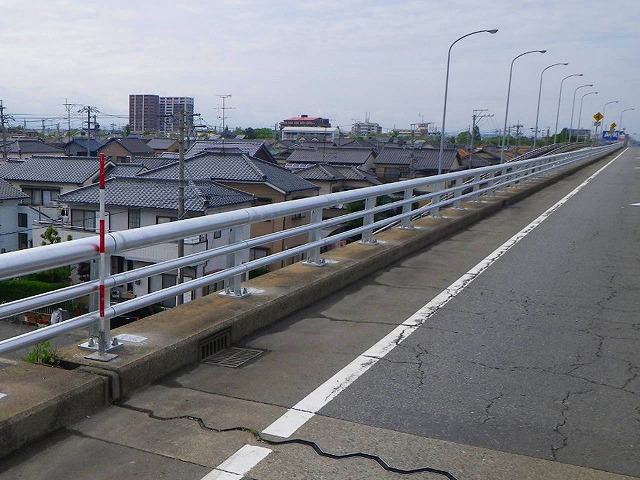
(41, 196)
(85, 219)
(134, 218)
(392, 172)
(23, 240)
(22, 220)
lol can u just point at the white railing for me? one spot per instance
(408, 200)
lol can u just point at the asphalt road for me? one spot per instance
(539, 355)
(529, 372)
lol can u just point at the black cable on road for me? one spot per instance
(296, 441)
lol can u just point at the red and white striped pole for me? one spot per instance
(102, 270)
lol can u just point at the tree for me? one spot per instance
(463, 138)
(126, 131)
(250, 133)
(50, 236)
(476, 134)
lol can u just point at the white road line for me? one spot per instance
(306, 408)
(2, 395)
(238, 464)
(635, 204)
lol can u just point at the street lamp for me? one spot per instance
(535, 132)
(604, 108)
(446, 87)
(580, 114)
(559, 97)
(625, 110)
(506, 111)
(573, 106)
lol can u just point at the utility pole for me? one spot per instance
(223, 108)
(517, 126)
(477, 114)
(182, 122)
(68, 106)
(3, 119)
(88, 110)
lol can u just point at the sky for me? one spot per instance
(345, 60)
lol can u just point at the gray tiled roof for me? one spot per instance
(255, 148)
(28, 146)
(55, 169)
(6, 167)
(82, 143)
(160, 194)
(9, 192)
(161, 143)
(235, 167)
(323, 172)
(134, 145)
(125, 170)
(423, 159)
(331, 155)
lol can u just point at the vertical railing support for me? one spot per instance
(405, 223)
(368, 219)
(233, 286)
(438, 187)
(313, 255)
(457, 203)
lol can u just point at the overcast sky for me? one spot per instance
(336, 59)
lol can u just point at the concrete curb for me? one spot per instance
(42, 399)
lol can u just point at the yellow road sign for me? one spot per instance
(598, 116)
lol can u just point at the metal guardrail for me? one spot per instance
(409, 199)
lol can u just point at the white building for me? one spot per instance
(311, 134)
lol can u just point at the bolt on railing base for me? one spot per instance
(230, 293)
(315, 263)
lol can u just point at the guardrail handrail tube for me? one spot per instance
(437, 192)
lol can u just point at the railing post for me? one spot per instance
(233, 286)
(405, 223)
(438, 187)
(368, 219)
(457, 203)
(313, 255)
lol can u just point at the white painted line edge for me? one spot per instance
(635, 204)
(2, 395)
(306, 408)
(238, 464)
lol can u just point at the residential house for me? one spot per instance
(363, 158)
(24, 148)
(160, 145)
(134, 202)
(14, 221)
(253, 148)
(78, 147)
(394, 164)
(269, 183)
(332, 179)
(44, 179)
(122, 150)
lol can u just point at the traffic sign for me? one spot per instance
(598, 116)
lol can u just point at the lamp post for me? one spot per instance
(573, 106)
(535, 132)
(580, 113)
(559, 97)
(446, 88)
(506, 111)
(625, 110)
(604, 109)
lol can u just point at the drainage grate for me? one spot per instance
(233, 357)
(214, 344)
